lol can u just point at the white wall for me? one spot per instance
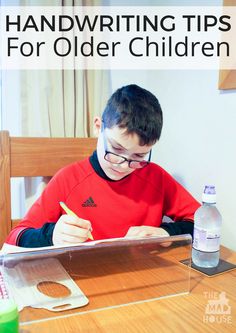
(198, 141)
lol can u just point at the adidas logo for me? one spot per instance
(89, 203)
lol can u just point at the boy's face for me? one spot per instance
(117, 141)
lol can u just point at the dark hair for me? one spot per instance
(137, 110)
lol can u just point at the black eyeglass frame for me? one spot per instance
(141, 164)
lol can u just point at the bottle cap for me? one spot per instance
(8, 310)
(209, 194)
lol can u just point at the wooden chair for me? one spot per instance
(33, 157)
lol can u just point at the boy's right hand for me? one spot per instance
(70, 229)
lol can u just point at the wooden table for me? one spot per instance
(186, 313)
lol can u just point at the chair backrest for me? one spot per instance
(33, 157)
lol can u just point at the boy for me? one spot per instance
(117, 191)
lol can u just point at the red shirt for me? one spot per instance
(112, 207)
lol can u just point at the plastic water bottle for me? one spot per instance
(207, 227)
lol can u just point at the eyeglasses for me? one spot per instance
(118, 159)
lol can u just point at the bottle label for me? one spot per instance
(206, 240)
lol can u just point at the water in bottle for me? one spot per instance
(207, 227)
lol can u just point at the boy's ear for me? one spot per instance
(97, 124)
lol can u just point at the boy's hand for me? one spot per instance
(145, 231)
(70, 229)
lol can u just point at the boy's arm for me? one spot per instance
(67, 230)
(46, 209)
(37, 237)
(165, 229)
(179, 205)
(178, 228)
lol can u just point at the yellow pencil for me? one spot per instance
(69, 212)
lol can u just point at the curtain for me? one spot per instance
(62, 103)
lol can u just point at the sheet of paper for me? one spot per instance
(7, 248)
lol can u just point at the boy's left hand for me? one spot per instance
(145, 231)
